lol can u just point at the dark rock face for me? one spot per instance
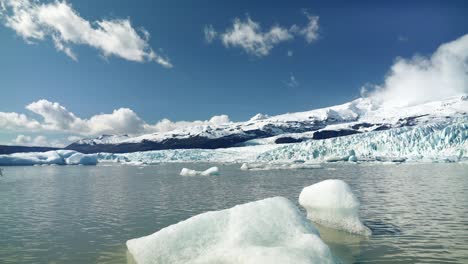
(285, 140)
(172, 143)
(18, 149)
(201, 142)
(324, 134)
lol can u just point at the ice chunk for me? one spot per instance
(333, 204)
(278, 166)
(267, 231)
(208, 172)
(59, 157)
(81, 159)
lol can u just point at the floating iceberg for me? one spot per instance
(333, 204)
(267, 231)
(56, 157)
(208, 172)
(433, 142)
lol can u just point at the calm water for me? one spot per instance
(418, 213)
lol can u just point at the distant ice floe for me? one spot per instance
(266, 231)
(278, 166)
(208, 172)
(333, 204)
(56, 157)
(429, 143)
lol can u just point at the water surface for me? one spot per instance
(81, 214)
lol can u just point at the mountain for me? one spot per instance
(359, 116)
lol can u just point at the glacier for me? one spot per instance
(272, 230)
(431, 142)
(333, 204)
(438, 142)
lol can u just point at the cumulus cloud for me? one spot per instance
(35, 21)
(423, 79)
(30, 141)
(249, 35)
(55, 117)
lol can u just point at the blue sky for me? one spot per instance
(356, 43)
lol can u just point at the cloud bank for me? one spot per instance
(249, 36)
(59, 22)
(55, 117)
(423, 79)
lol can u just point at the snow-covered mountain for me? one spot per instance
(359, 116)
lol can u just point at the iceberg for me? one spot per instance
(332, 203)
(56, 157)
(208, 172)
(266, 231)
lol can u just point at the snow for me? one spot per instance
(303, 124)
(266, 231)
(104, 139)
(333, 204)
(58, 157)
(259, 116)
(208, 172)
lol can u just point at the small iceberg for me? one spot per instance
(332, 203)
(272, 231)
(208, 172)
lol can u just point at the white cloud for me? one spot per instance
(38, 141)
(290, 53)
(292, 82)
(210, 33)
(57, 118)
(35, 21)
(249, 35)
(423, 79)
(13, 121)
(310, 32)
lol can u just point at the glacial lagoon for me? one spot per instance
(85, 214)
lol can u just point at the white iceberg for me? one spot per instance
(267, 231)
(208, 172)
(56, 157)
(332, 203)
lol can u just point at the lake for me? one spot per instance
(85, 214)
